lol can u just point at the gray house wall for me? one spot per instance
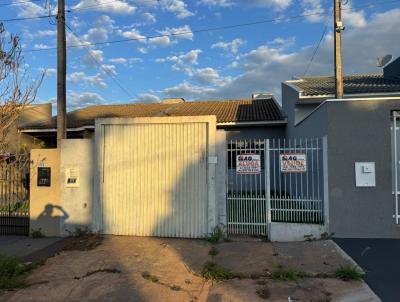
(359, 131)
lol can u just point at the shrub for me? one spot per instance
(212, 271)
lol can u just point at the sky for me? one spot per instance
(126, 51)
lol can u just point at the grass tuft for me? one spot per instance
(13, 272)
(212, 271)
(217, 235)
(150, 277)
(282, 274)
(348, 273)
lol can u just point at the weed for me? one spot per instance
(150, 277)
(348, 273)
(217, 235)
(212, 271)
(12, 272)
(213, 251)
(264, 293)
(282, 274)
(80, 232)
(175, 287)
(37, 233)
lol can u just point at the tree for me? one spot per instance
(17, 90)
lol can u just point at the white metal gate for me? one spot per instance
(155, 178)
(396, 162)
(287, 185)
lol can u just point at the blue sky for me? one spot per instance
(214, 64)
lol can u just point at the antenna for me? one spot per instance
(383, 61)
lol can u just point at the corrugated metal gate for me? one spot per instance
(155, 179)
(274, 180)
(14, 194)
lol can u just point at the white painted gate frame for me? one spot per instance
(97, 219)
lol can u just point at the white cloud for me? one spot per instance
(149, 18)
(109, 69)
(184, 61)
(132, 34)
(183, 32)
(125, 61)
(353, 18)
(163, 41)
(29, 9)
(206, 75)
(222, 3)
(189, 91)
(115, 7)
(313, 10)
(177, 7)
(276, 4)
(148, 98)
(99, 33)
(143, 50)
(40, 46)
(77, 100)
(93, 59)
(86, 80)
(48, 72)
(232, 46)
(44, 33)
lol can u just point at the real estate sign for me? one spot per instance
(248, 164)
(293, 162)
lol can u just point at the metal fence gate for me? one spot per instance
(14, 194)
(275, 180)
(395, 163)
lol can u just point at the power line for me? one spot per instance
(233, 26)
(316, 50)
(108, 72)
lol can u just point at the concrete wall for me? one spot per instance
(359, 131)
(46, 212)
(220, 176)
(77, 201)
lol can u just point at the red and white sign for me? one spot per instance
(248, 164)
(293, 163)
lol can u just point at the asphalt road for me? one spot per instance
(380, 258)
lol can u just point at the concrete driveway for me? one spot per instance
(155, 269)
(380, 258)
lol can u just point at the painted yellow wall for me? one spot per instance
(46, 212)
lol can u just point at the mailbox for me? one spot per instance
(365, 174)
(44, 177)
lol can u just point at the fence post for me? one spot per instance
(325, 180)
(267, 177)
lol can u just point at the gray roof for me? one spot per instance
(353, 84)
(226, 111)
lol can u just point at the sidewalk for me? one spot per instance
(29, 249)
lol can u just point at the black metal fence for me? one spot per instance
(14, 194)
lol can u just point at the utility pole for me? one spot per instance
(338, 27)
(61, 73)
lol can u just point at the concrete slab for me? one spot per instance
(114, 271)
(24, 247)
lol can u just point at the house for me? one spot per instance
(261, 116)
(17, 140)
(162, 166)
(361, 148)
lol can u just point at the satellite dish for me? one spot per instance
(382, 62)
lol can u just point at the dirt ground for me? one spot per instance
(117, 268)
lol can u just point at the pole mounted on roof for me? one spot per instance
(61, 73)
(338, 28)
